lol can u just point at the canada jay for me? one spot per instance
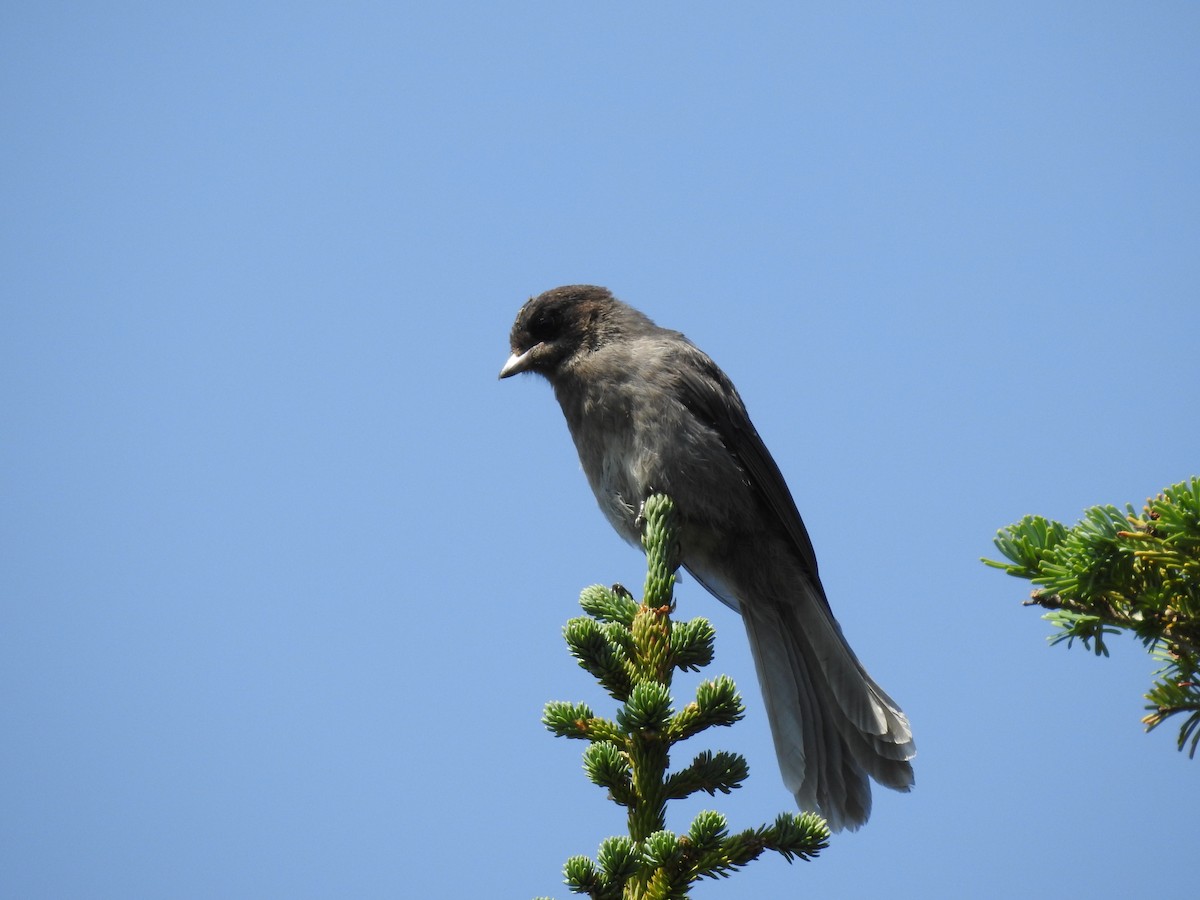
(649, 412)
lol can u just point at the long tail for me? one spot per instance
(833, 725)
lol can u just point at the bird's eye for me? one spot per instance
(545, 325)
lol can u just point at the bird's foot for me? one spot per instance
(639, 521)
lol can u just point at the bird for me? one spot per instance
(649, 412)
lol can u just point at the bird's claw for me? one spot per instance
(639, 521)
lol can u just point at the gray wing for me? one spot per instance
(710, 396)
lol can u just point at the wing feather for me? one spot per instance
(710, 396)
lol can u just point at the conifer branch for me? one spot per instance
(1120, 571)
(633, 650)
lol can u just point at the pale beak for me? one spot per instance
(518, 362)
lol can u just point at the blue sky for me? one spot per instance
(284, 566)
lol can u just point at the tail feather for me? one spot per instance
(832, 724)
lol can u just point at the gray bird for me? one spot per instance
(650, 412)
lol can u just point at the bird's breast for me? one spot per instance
(606, 435)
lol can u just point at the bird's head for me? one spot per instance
(557, 327)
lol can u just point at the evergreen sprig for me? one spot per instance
(1123, 571)
(633, 650)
